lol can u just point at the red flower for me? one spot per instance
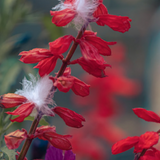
(63, 17)
(35, 55)
(146, 115)
(10, 100)
(67, 82)
(23, 111)
(152, 154)
(36, 95)
(70, 117)
(57, 140)
(117, 23)
(78, 11)
(14, 139)
(90, 53)
(145, 141)
(92, 67)
(47, 58)
(97, 42)
(124, 145)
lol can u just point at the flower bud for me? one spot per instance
(14, 139)
(70, 117)
(10, 100)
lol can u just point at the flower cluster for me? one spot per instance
(144, 144)
(36, 96)
(102, 108)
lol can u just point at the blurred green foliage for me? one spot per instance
(6, 154)
(11, 13)
(54, 32)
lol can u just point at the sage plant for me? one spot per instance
(36, 96)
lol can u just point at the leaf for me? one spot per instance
(10, 153)
(42, 122)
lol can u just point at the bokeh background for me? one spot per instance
(133, 80)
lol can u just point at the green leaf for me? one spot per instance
(10, 153)
(42, 122)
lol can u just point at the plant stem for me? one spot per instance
(60, 73)
(28, 141)
(71, 51)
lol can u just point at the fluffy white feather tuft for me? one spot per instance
(38, 91)
(83, 8)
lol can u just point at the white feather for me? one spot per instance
(38, 91)
(83, 8)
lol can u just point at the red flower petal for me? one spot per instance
(57, 140)
(146, 141)
(101, 9)
(89, 52)
(100, 44)
(149, 116)
(124, 144)
(117, 23)
(10, 100)
(14, 139)
(92, 67)
(80, 88)
(63, 17)
(47, 65)
(61, 44)
(43, 129)
(70, 117)
(64, 84)
(35, 55)
(23, 111)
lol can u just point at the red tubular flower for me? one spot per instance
(145, 141)
(63, 17)
(57, 140)
(10, 100)
(146, 115)
(67, 82)
(77, 11)
(47, 58)
(70, 117)
(152, 154)
(35, 55)
(124, 145)
(80, 88)
(97, 42)
(64, 84)
(14, 139)
(23, 111)
(61, 44)
(92, 67)
(36, 94)
(47, 65)
(117, 23)
(89, 52)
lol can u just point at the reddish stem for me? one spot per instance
(28, 141)
(71, 51)
(60, 73)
